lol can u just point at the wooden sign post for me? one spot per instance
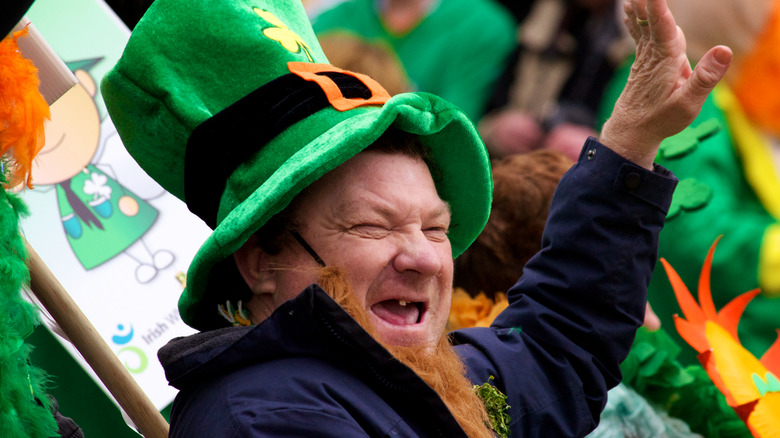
(94, 349)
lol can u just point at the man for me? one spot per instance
(337, 211)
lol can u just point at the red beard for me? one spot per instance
(440, 368)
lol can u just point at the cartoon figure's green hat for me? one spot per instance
(231, 106)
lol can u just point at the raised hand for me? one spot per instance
(663, 94)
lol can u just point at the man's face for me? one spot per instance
(379, 217)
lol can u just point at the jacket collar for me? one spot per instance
(313, 325)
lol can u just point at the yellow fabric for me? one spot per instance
(754, 150)
(769, 262)
(734, 365)
(763, 420)
(761, 174)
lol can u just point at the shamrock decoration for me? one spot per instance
(682, 144)
(289, 39)
(690, 194)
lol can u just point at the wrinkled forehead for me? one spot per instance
(385, 182)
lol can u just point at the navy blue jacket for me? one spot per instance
(310, 370)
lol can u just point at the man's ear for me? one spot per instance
(252, 263)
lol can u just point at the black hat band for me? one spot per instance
(242, 129)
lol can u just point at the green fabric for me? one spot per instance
(21, 416)
(457, 51)
(122, 217)
(733, 211)
(184, 64)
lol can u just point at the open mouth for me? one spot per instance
(399, 312)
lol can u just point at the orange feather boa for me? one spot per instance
(23, 111)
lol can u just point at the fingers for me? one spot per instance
(661, 20)
(640, 17)
(652, 322)
(649, 19)
(663, 94)
(710, 69)
(630, 19)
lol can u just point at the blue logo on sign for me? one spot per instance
(137, 364)
(124, 336)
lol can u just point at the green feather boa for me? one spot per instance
(24, 408)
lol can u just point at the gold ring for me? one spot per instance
(642, 22)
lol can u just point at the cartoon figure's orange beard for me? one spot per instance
(439, 367)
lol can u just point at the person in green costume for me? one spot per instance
(729, 178)
(101, 217)
(455, 49)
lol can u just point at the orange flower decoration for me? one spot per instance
(479, 311)
(750, 385)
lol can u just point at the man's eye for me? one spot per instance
(370, 230)
(436, 233)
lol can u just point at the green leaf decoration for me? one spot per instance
(682, 144)
(690, 195)
(651, 363)
(496, 407)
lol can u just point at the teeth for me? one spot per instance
(402, 303)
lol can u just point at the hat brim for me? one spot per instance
(458, 153)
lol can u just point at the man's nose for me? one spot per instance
(418, 254)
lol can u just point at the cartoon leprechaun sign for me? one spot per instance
(101, 217)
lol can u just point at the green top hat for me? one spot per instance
(230, 106)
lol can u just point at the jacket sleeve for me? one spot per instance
(573, 314)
